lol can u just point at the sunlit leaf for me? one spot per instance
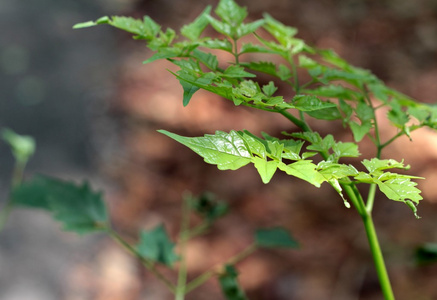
(305, 170)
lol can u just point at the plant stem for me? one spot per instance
(183, 239)
(378, 259)
(301, 124)
(17, 177)
(216, 270)
(147, 263)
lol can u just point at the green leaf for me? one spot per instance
(237, 72)
(77, 207)
(265, 168)
(157, 246)
(261, 66)
(229, 284)
(230, 12)
(245, 29)
(222, 27)
(400, 189)
(269, 89)
(147, 28)
(360, 131)
(195, 29)
(190, 83)
(252, 48)
(397, 116)
(227, 151)
(376, 164)
(275, 238)
(164, 53)
(364, 112)
(207, 59)
(345, 149)
(209, 207)
(426, 254)
(22, 146)
(323, 145)
(310, 103)
(305, 170)
(330, 113)
(224, 44)
(333, 91)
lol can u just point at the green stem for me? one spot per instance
(235, 51)
(371, 198)
(17, 177)
(301, 124)
(378, 259)
(217, 269)
(183, 239)
(147, 263)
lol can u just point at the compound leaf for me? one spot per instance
(229, 284)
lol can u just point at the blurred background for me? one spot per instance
(94, 109)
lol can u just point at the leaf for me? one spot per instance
(190, 83)
(305, 170)
(157, 246)
(310, 103)
(333, 91)
(269, 89)
(360, 131)
(227, 151)
(22, 146)
(261, 66)
(144, 29)
(252, 48)
(236, 72)
(275, 238)
(209, 207)
(222, 27)
(345, 149)
(376, 164)
(330, 113)
(229, 284)
(324, 145)
(397, 116)
(164, 53)
(245, 29)
(207, 59)
(102, 20)
(400, 189)
(265, 168)
(230, 12)
(218, 44)
(280, 31)
(195, 29)
(426, 254)
(364, 112)
(77, 207)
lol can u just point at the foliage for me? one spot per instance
(335, 92)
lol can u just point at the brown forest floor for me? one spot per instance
(395, 39)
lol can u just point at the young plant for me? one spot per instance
(336, 91)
